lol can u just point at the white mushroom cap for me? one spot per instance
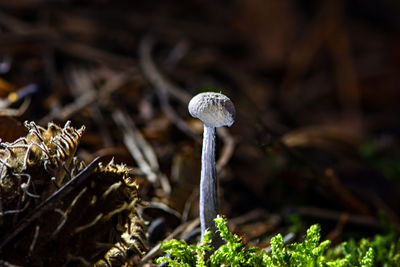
(213, 109)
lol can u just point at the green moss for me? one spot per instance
(381, 251)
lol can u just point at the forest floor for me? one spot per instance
(314, 84)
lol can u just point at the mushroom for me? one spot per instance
(214, 110)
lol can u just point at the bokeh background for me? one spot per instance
(315, 85)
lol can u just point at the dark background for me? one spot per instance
(314, 83)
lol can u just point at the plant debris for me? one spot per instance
(60, 211)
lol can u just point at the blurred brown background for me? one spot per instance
(315, 86)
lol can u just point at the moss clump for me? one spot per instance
(381, 251)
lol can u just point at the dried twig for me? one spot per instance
(64, 215)
(227, 149)
(82, 82)
(34, 240)
(140, 150)
(183, 228)
(16, 112)
(89, 97)
(163, 87)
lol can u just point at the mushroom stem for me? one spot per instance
(208, 186)
(214, 110)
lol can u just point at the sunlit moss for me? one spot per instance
(381, 251)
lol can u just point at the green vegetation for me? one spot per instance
(381, 251)
(385, 249)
